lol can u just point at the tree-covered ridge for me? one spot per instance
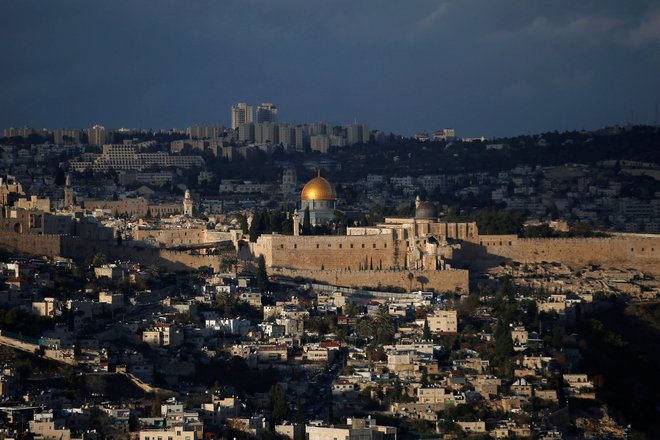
(403, 156)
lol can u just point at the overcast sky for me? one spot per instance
(481, 66)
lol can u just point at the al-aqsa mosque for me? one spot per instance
(320, 197)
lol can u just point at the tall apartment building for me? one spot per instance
(266, 133)
(318, 128)
(357, 133)
(320, 143)
(99, 135)
(246, 132)
(19, 132)
(66, 136)
(205, 131)
(287, 135)
(241, 113)
(302, 139)
(266, 112)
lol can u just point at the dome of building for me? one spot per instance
(426, 210)
(318, 189)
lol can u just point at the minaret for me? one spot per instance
(296, 223)
(187, 204)
(69, 198)
(417, 201)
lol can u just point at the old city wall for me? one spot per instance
(137, 206)
(171, 237)
(180, 237)
(31, 244)
(75, 247)
(626, 251)
(189, 261)
(170, 259)
(329, 252)
(440, 280)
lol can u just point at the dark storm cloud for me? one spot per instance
(480, 66)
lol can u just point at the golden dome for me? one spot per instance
(318, 189)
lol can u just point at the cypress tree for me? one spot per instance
(280, 409)
(427, 330)
(307, 222)
(244, 224)
(262, 275)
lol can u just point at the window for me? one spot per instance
(362, 245)
(295, 246)
(329, 245)
(374, 245)
(281, 246)
(385, 246)
(351, 245)
(317, 245)
(340, 246)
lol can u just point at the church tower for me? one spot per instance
(187, 204)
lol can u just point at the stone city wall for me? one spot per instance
(640, 252)
(329, 252)
(50, 245)
(79, 248)
(439, 280)
(172, 260)
(180, 237)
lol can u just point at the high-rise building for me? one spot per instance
(241, 113)
(205, 131)
(266, 112)
(66, 136)
(246, 132)
(302, 138)
(266, 133)
(287, 135)
(357, 133)
(316, 128)
(23, 132)
(99, 136)
(319, 143)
